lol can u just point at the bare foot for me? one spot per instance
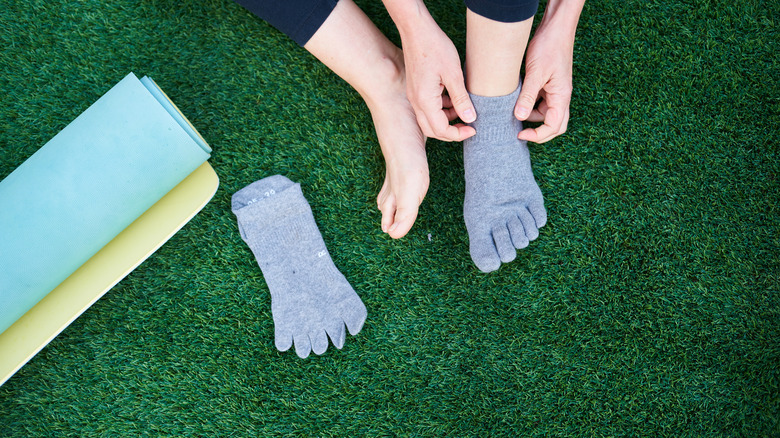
(350, 45)
(403, 146)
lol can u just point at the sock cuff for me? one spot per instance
(270, 201)
(495, 116)
(492, 104)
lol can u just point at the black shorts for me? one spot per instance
(300, 19)
(505, 11)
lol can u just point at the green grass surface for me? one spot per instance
(647, 307)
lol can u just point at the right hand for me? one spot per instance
(433, 66)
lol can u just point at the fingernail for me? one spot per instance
(522, 113)
(469, 115)
(395, 225)
(384, 228)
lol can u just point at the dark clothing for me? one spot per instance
(505, 11)
(300, 19)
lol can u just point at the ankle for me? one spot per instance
(386, 80)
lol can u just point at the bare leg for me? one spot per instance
(351, 45)
(503, 206)
(494, 54)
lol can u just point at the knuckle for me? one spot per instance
(440, 131)
(460, 99)
(527, 99)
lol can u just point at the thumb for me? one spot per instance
(529, 93)
(460, 100)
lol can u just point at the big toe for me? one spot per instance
(484, 254)
(405, 215)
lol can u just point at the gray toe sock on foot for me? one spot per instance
(503, 207)
(310, 298)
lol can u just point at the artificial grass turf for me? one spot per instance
(647, 307)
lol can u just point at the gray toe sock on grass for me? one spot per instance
(503, 207)
(310, 298)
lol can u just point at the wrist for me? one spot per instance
(411, 17)
(562, 16)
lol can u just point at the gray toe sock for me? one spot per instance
(310, 298)
(503, 206)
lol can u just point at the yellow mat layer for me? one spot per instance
(33, 331)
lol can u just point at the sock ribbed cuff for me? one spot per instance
(495, 117)
(271, 201)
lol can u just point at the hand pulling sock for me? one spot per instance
(310, 298)
(503, 206)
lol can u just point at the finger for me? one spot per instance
(552, 128)
(434, 120)
(442, 130)
(447, 132)
(422, 122)
(459, 97)
(565, 125)
(446, 105)
(529, 94)
(445, 101)
(451, 114)
(422, 114)
(538, 113)
(538, 135)
(536, 116)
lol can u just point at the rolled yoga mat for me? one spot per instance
(86, 185)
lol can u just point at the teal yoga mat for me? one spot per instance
(86, 185)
